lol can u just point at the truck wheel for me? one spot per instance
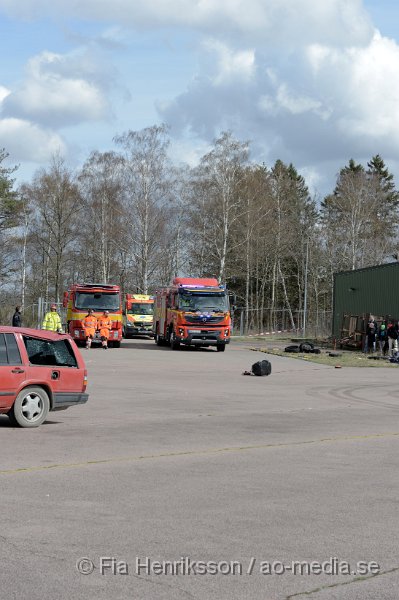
(220, 347)
(174, 343)
(157, 338)
(31, 407)
(117, 344)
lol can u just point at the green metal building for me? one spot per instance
(373, 290)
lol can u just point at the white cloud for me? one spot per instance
(28, 142)
(374, 89)
(325, 103)
(307, 81)
(56, 93)
(275, 20)
(285, 99)
(230, 65)
(4, 92)
(363, 87)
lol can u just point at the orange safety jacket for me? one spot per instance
(104, 324)
(89, 325)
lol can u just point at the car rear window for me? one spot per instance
(9, 352)
(45, 352)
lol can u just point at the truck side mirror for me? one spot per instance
(65, 299)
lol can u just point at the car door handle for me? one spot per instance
(17, 371)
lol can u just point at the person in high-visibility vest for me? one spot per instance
(52, 320)
(104, 325)
(89, 324)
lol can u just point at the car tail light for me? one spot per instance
(85, 380)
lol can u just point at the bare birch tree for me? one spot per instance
(360, 218)
(148, 197)
(101, 188)
(56, 203)
(217, 200)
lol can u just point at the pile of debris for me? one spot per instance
(305, 347)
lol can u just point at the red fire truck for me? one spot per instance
(98, 296)
(194, 312)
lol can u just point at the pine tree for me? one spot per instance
(10, 204)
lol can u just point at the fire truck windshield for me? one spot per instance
(141, 309)
(212, 301)
(97, 301)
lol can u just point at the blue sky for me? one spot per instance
(308, 82)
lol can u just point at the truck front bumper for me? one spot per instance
(130, 331)
(203, 338)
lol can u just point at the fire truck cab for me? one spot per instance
(99, 297)
(193, 312)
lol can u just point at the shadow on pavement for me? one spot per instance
(151, 345)
(6, 423)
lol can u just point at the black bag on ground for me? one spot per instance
(292, 348)
(262, 367)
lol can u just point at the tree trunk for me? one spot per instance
(287, 302)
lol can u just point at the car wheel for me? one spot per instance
(220, 347)
(31, 407)
(174, 343)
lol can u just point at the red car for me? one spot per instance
(40, 371)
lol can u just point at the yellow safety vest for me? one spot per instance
(52, 322)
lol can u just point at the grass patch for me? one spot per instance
(347, 359)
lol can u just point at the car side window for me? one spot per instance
(14, 356)
(64, 354)
(9, 352)
(3, 350)
(45, 352)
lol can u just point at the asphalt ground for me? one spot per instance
(183, 479)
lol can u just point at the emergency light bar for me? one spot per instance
(96, 285)
(200, 287)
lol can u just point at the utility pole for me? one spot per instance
(305, 292)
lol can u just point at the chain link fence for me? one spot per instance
(33, 314)
(316, 324)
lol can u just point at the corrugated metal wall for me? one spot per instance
(371, 290)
